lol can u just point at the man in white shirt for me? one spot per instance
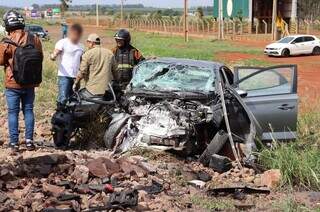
(68, 51)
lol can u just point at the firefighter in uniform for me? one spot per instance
(127, 57)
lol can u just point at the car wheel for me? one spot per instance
(316, 50)
(114, 129)
(216, 144)
(285, 53)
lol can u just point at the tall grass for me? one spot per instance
(298, 161)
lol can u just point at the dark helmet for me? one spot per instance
(123, 34)
(13, 21)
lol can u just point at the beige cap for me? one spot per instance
(94, 38)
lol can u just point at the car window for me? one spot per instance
(268, 82)
(286, 40)
(308, 39)
(299, 40)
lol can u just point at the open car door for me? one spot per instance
(272, 98)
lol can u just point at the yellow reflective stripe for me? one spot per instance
(125, 66)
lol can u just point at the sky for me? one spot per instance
(153, 3)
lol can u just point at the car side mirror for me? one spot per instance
(242, 93)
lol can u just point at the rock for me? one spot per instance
(102, 167)
(52, 189)
(220, 163)
(80, 174)
(271, 178)
(45, 158)
(131, 169)
(309, 199)
(3, 197)
(249, 179)
(148, 167)
(257, 181)
(204, 176)
(197, 183)
(6, 174)
(12, 184)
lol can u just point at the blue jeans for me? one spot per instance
(16, 97)
(65, 89)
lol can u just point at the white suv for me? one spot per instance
(294, 45)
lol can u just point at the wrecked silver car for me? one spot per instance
(177, 104)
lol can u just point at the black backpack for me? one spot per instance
(27, 62)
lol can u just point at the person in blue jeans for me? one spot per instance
(25, 97)
(64, 29)
(18, 97)
(68, 53)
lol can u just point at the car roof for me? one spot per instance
(301, 35)
(189, 62)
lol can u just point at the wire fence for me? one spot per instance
(235, 29)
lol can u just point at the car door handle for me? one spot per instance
(286, 107)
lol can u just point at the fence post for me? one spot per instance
(265, 26)
(241, 27)
(308, 26)
(233, 29)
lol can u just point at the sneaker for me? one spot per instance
(14, 147)
(30, 146)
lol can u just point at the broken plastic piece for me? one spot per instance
(224, 191)
(155, 188)
(220, 163)
(125, 199)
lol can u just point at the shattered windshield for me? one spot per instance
(163, 76)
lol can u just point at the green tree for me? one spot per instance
(64, 5)
(199, 13)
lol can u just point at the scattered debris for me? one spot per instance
(155, 188)
(310, 199)
(220, 163)
(124, 199)
(235, 190)
(197, 183)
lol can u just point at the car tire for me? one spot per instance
(216, 144)
(285, 53)
(113, 130)
(316, 50)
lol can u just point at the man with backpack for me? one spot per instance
(21, 55)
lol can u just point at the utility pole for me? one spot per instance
(274, 19)
(221, 24)
(122, 12)
(186, 30)
(97, 13)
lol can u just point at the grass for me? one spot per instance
(153, 44)
(298, 161)
(212, 204)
